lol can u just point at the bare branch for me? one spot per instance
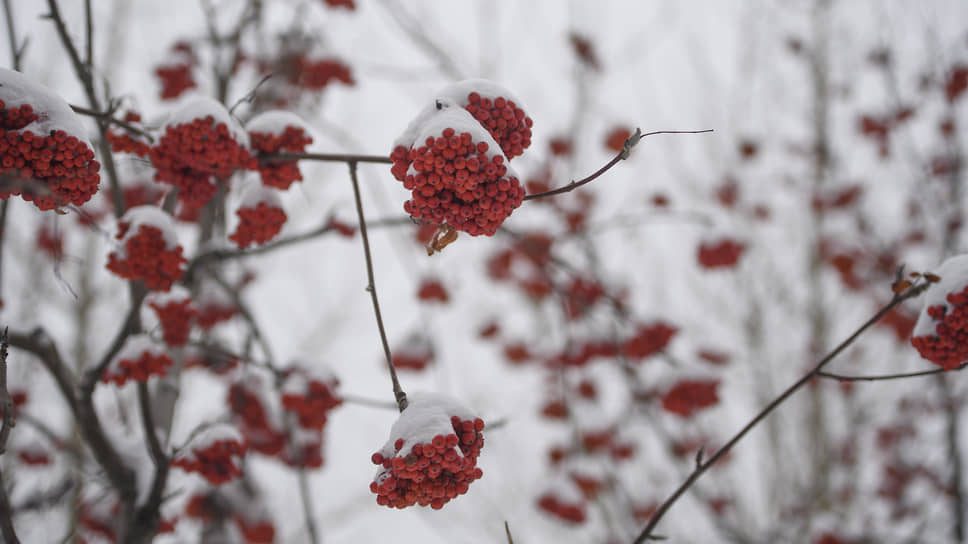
(130, 325)
(898, 298)
(108, 117)
(621, 155)
(6, 404)
(325, 157)
(16, 51)
(398, 392)
(844, 378)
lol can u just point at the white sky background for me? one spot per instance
(667, 66)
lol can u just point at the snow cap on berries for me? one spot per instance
(43, 148)
(148, 248)
(261, 217)
(138, 360)
(941, 333)
(456, 172)
(174, 312)
(200, 140)
(279, 131)
(431, 455)
(215, 454)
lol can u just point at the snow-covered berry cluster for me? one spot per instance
(149, 249)
(310, 398)
(941, 333)
(176, 75)
(278, 132)
(138, 360)
(721, 254)
(43, 157)
(506, 122)
(261, 217)
(175, 313)
(454, 158)
(200, 142)
(122, 142)
(259, 430)
(215, 454)
(431, 456)
(317, 74)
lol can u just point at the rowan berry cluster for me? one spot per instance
(562, 508)
(189, 154)
(458, 174)
(947, 345)
(50, 171)
(507, 123)
(175, 313)
(258, 224)
(138, 361)
(431, 472)
(176, 77)
(258, 432)
(147, 251)
(722, 254)
(648, 340)
(311, 399)
(687, 397)
(280, 174)
(453, 180)
(318, 74)
(122, 142)
(215, 457)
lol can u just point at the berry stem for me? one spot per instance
(701, 468)
(398, 392)
(108, 117)
(621, 155)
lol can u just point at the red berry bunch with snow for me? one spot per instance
(251, 409)
(122, 142)
(214, 454)
(310, 397)
(721, 254)
(43, 157)
(175, 313)
(431, 456)
(138, 360)
(278, 132)
(176, 75)
(260, 217)
(941, 333)
(200, 141)
(214, 306)
(454, 158)
(149, 249)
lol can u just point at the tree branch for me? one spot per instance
(844, 378)
(325, 157)
(108, 117)
(398, 392)
(621, 155)
(700, 469)
(6, 403)
(16, 52)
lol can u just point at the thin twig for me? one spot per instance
(6, 521)
(16, 53)
(325, 228)
(507, 531)
(621, 155)
(145, 521)
(9, 420)
(326, 157)
(398, 392)
(844, 378)
(108, 117)
(6, 401)
(127, 328)
(956, 487)
(307, 502)
(701, 469)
